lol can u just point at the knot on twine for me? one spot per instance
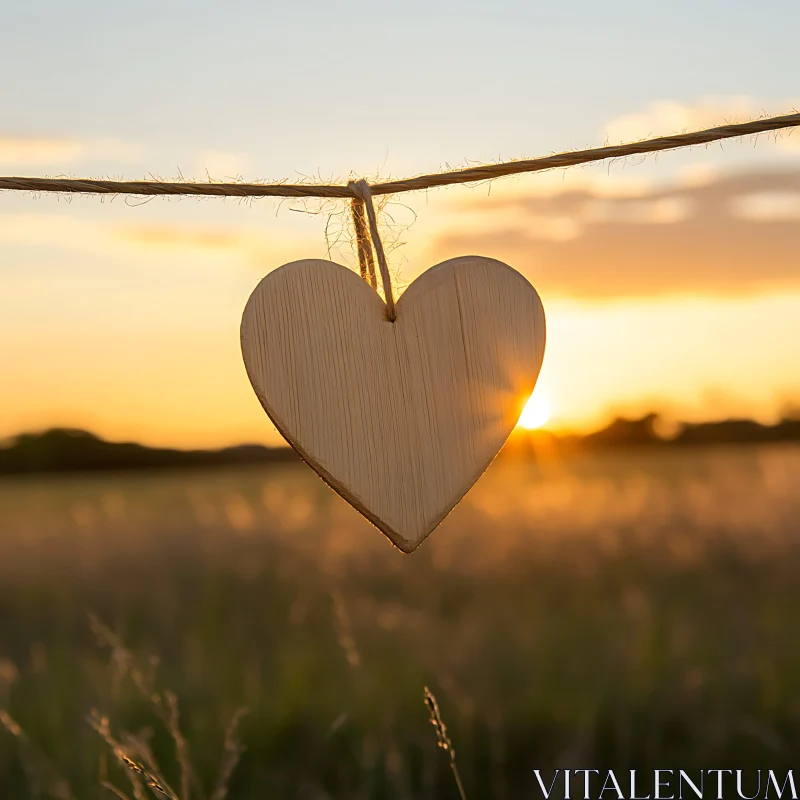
(361, 204)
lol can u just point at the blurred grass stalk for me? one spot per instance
(442, 738)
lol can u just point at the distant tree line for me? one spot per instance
(68, 450)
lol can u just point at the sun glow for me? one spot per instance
(535, 414)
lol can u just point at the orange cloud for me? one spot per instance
(36, 150)
(249, 245)
(252, 246)
(720, 236)
(59, 151)
(162, 236)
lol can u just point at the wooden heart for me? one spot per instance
(400, 418)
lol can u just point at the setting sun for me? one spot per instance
(535, 414)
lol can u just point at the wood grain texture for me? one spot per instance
(399, 418)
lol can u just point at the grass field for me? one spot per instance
(618, 611)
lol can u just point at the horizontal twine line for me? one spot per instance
(468, 175)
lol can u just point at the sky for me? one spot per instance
(670, 283)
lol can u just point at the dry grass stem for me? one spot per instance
(150, 781)
(123, 660)
(165, 705)
(115, 790)
(135, 770)
(138, 745)
(442, 737)
(41, 775)
(172, 721)
(344, 630)
(231, 754)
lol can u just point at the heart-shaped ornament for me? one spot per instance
(400, 418)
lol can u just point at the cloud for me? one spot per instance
(49, 230)
(667, 117)
(59, 152)
(153, 242)
(730, 234)
(219, 165)
(172, 236)
(768, 206)
(251, 246)
(32, 150)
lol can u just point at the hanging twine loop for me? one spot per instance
(366, 262)
(363, 201)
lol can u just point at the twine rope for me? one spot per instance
(366, 263)
(361, 190)
(469, 175)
